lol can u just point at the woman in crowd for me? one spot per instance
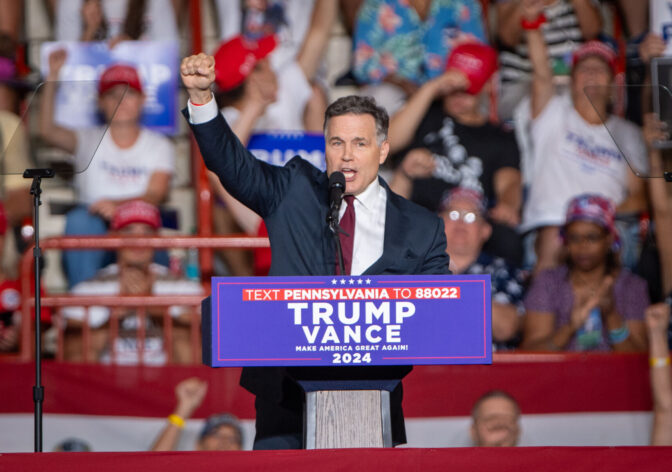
(590, 302)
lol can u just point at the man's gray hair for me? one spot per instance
(360, 106)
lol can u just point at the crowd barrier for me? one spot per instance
(409, 460)
(566, 400)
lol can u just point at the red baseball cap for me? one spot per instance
(136, 211)
(596, 48)
(236, 58)
(477, 61)
(119, 74)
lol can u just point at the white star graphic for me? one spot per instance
(359, 281)
(334, 281)
(368, 281)
(342, 281)
(351, 282)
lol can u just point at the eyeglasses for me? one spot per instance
(467, 217)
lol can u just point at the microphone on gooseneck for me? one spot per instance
(336, 189)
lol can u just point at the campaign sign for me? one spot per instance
(157, 64)
(278, 148)
(350, 320)
(660, 21)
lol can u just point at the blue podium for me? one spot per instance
(310, 323)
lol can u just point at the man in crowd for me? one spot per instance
(467, 230)
(444, 140)
(221, 432)
(495, 420)
(133, 274)
(385, 234)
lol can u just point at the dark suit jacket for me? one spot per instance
(293, 201)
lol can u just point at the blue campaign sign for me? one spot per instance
(351, 320)
(279, 147)
(76, 99)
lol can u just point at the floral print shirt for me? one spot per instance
(390, 39)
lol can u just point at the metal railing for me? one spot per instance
(117, 303)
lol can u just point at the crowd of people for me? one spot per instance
(513, 131)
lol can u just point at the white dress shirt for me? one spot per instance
(202, 113)
(370, 206)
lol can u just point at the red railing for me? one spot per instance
(203, 201)
(121, 301)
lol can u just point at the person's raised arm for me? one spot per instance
(509, 14)
(50, 131)
(190, 394)
(542, 74)
(405, 122)
(654, 130)
(509, 195)
(657, 321)
(589, 17)
(315, 41)
(256, 184)
(419, 163)
(261, 90)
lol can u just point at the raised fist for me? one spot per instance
(198, 74)
(190, 394)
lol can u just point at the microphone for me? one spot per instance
(336, 189)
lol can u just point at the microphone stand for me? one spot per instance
(38, 390)
(332, 221)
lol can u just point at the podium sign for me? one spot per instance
(351, 320)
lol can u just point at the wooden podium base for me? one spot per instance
(347, 418)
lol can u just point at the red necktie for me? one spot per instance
(347, 224)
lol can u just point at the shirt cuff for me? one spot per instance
(202, 113)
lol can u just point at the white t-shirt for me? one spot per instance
(106, 282)
(159, 20)
(572, 156)
(286, 113)
(116, 173)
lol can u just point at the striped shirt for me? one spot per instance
(562, 34)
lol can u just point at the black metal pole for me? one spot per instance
(38, 389)
(335, 231)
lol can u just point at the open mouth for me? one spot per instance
(349, 173)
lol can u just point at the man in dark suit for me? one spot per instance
(391, 234)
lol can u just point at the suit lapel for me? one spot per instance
(321, 189)
(395, 229)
